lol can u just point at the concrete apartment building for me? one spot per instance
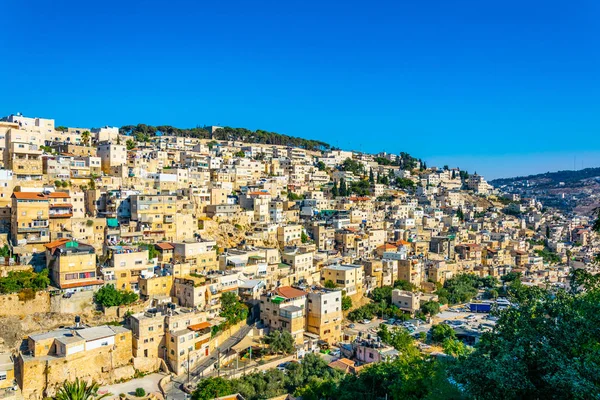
(155, 287)
(156, 214)
(302, 264)
(22, 155)
(111, 155)
(349, 278)
(190, 291)
(315, 311)
(72, 265)
(29, 219)
(284, 309)
(289, 235)
(324, 314)
(125, 266)
(200, 254)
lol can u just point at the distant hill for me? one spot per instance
(143, 132)
(551, 179)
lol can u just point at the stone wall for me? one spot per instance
(17, 304)
(224, 335)
(78, 303)
(40, 377)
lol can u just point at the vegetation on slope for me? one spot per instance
(143, 132)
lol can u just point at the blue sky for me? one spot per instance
(500, 87)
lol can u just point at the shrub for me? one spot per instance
(140, 392)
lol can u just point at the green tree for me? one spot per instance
(108, 296)
(212, 388)
(304, 237)
(371, 176)
(232, 309)
(85, 137)
(321, 166)
(460, 214)
(239, 154)
(383, 293)
(329, 284)
(545, 347)
(343, 191)
(441, 332)
(430, 308)
(79, 390)
(334, 190)
(16, 281)
(130, 144)
(510, 277)
(280, 342)
(404, 285)
(346, 303)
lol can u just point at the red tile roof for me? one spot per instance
(386, 246)
(29, 196)
(59, 195)
(290, 292)
(56, 243)
(165, 246)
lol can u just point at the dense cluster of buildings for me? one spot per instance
(180, 221)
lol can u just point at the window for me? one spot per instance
(2, 376)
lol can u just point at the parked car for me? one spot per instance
(366, 321)
(351, 326)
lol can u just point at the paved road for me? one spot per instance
(174, 390)
(149, 383)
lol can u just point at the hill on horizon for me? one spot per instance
(551, 178)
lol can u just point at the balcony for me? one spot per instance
(61, 211)
(146, 218)
(36, 227)
(168, 219)
(38, 238)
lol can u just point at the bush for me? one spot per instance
(140, 392)
(17, 281)
(346, 303)
(441, 332)
(108, 296)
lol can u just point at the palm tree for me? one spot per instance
(79, 390)
(85, 137)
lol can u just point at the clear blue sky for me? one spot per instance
(501, 87)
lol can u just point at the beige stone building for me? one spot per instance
(155, 214)
(125, 266)
(349, 278)
(29, 219)
(200, 254)
(72, 265)
(284, 309)
(324, 314)
(289, 235)
(66, 354)
(111, 155)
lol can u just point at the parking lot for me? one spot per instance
(414, 326)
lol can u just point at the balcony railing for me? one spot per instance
(37, 239)
(35, 228)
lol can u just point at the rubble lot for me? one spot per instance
(230, 233)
